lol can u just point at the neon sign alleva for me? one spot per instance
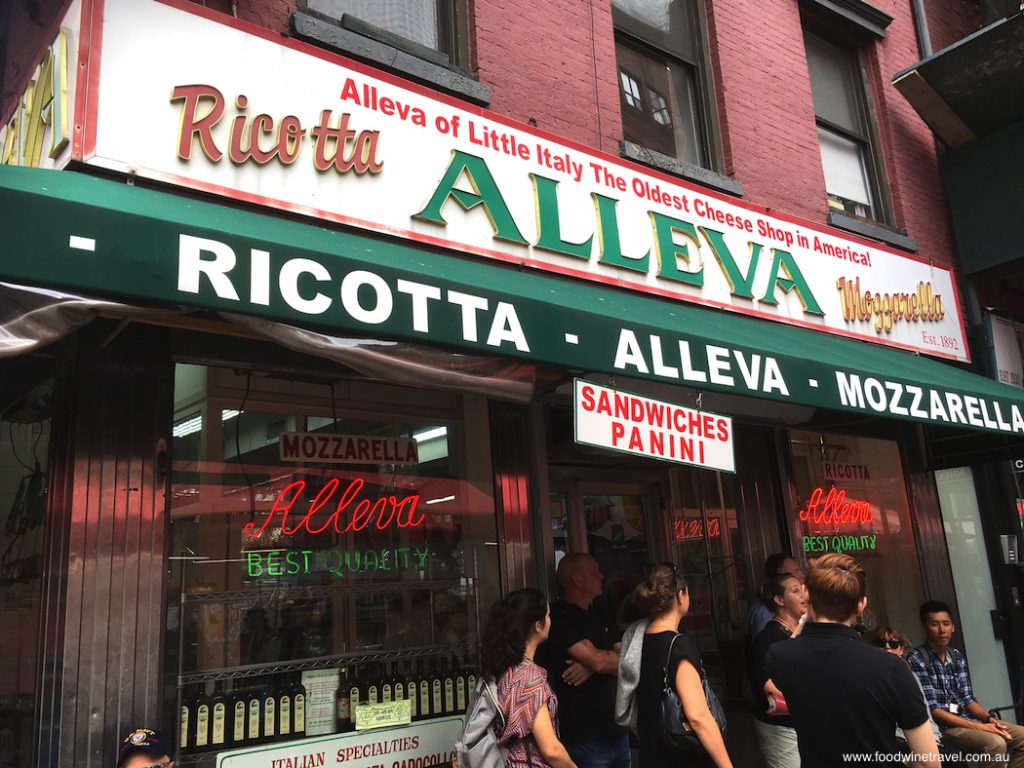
(384, 512)
(835, 509)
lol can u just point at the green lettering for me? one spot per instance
(274, 564)
(794, 280)
(741, 285)
(254, 564)
(549, 226)
(669, 251)
(485, 193)
(608, 236)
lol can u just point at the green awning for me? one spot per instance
(64, 229)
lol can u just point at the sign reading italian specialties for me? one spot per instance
(308, 131)
(423, 744)
(628, 423)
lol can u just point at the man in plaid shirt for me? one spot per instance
(966, 725)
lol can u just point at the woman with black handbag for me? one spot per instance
(675, 724)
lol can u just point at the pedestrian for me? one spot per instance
(518, 623)
(144, 748)
(775, 733)
(583, 665)
(760, 612)
(942, 670)
(845, 699)
(891, 641)
(643, 670)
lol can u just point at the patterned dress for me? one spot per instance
(522, 691)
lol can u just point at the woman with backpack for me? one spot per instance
(518, 623)
(653, 652)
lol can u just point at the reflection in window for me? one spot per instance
(616, 528)
(24, 446)
(660, 44)
(630, 90)
(659, 107)
(305, 536)
(664, 112)
(852, 498)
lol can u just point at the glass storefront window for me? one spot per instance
(328, 541)
(24, 447)
(852, 498)
(705, 530)
(616, 526)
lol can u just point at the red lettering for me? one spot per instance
(283, 504)
(191, 125)
(385, 511)
(618, 431)
(723, 430)
(587, 398)
(835, 509)
(290, 445)
(679, 419)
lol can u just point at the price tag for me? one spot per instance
(383, 714)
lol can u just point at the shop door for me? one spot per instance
(613, 522)
(705, 530)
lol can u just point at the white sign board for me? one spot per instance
(1007, 341)
(276, 122)
(620, 421)
(321, 700)
(325, 448)
(422, 744)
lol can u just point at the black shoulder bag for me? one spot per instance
(676, 733)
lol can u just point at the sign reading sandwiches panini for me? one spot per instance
(628, 423)
(308, 131)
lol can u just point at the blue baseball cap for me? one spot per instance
(143, 740)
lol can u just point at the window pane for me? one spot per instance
(667, 117)
(319, 540)
(835, 84)
(846, 177)
(419, 20)
(631, 91)
(24, 445)
(668, 24)
(617, 538)
(877, 528)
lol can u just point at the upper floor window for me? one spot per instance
(659, 48)
(845, 136)
(431, 25)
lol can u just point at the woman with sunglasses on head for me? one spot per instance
(891, 641)
(519, 623)
(775, 732)
(663, 595)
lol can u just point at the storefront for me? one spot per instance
(288, 468)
